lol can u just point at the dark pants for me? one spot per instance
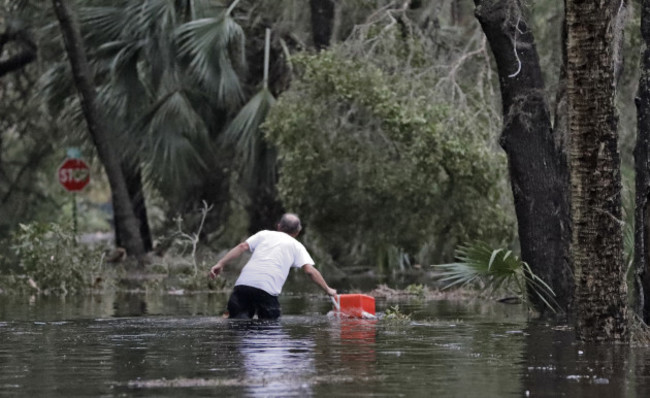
(246, 301)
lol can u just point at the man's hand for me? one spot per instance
(232, 254)
(216, 270)
(315, 276)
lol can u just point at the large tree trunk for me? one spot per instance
(265, 208)
(122, 208)
(322, 22)
(133, 177)
(597, 238)
(642, 168)
(538, 168)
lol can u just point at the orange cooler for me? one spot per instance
(356, 305)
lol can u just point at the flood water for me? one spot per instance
(178, 346)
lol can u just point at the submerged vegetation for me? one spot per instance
(394, 316)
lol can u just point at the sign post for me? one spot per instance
(74, 175)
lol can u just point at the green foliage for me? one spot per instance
(254, 159)
(479, 265)
(394, 315)
(49, 260)
(416, 289)
(372, 162)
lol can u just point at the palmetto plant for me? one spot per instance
(493, 269)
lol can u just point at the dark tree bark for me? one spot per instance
(642, 168)
(596, 211)
(322, 22)
(537, 165)
(266, 211)
(123, 211)
(133, 176)
(24, 57)
(265, 208)
(560, 123)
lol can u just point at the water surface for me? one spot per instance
(177, 346)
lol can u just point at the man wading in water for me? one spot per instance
(260, 282)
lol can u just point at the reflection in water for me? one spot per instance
(278, 362)
(555, 364)
(275, 363)
(358, 345)
(130, 305)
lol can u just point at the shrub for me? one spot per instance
(49, 260)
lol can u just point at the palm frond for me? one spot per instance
(457, 274)
(118, 112)
(539, 288)
(103, 24)
(56, 85)
(152, 16)
(207, 8)
(244, 131)
(118, 52)
(207, 44)
(174, 135)
(495, 269)
(71, 115)
(121, 105)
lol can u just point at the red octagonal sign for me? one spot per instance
(74, 174)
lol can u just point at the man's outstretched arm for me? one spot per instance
(316, 276)
(231, 255)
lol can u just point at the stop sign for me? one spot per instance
(74, 174)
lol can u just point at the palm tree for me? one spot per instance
(168, 75)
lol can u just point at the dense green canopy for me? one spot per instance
(373, 168)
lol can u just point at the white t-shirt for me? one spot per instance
(274, 253)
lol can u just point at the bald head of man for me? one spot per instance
(290, 224)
